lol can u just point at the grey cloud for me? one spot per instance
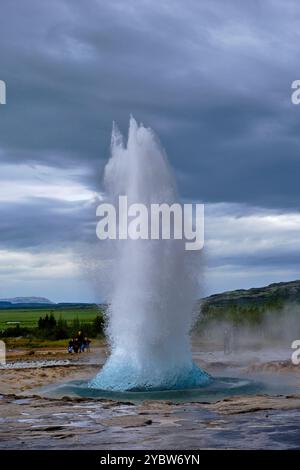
(46, 223)
(212, 78)
(214, 81)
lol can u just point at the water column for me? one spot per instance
(154, 289)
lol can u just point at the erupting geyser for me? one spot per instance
(150, 313)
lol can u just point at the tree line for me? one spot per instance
(50, 328)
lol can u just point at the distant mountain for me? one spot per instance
(27, 300)
(249, 305)
(281, 292)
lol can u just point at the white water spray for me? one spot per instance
(150, 313)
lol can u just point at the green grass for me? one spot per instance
(31, 343)
(29, 317)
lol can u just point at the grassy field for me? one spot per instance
(29, 317)
(31, 343)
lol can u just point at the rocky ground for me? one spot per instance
(29, 420)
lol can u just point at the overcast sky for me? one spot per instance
(212, 78)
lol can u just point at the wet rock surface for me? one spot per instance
(260, 422)
(30, 421)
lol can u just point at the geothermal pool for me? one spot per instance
(252, 402)
(216, 389)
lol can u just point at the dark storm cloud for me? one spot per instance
(41, 223)
(212, 79)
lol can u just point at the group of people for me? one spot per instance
(79, 343)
